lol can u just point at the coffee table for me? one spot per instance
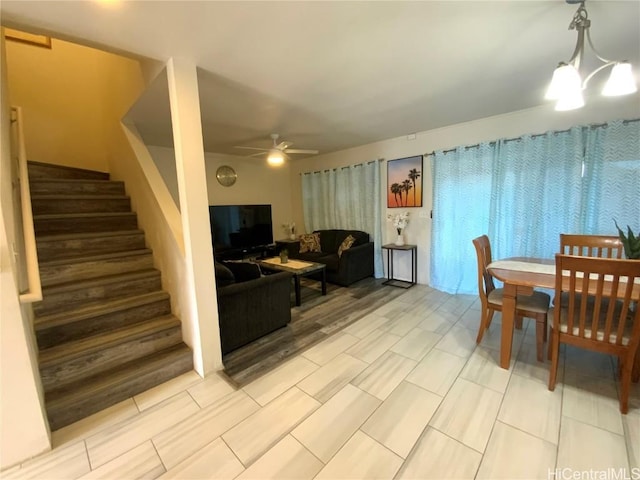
(299, 269)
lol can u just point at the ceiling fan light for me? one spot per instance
(621, 81)
(275, 158)
(570, 101)
(565, 81)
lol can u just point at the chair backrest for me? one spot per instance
(603, 246)
(485, 280)
(610, 313)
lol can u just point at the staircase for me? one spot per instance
(104, 327)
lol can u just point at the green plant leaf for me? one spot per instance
(630, 242)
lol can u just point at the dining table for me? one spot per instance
(520, 275)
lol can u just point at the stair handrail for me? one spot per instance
(34, 292)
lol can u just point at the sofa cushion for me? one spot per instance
(360, 237)
(311, 256)
(224, 276)
(346, 244)
(244, 271)
(310, 242)
(332, 262)
(328, 241)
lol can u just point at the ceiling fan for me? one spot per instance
(276, 154)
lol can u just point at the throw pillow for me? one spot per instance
(310, 242)
(244, 271)
(346, 244)
(224, 276)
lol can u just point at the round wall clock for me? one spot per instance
(226, 175)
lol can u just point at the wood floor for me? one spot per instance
(315, 319)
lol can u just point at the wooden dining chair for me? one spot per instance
(535, 306)
(603, 246)
(597, 321)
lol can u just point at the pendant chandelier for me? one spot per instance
(567, 85)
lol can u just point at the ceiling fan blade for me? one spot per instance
(283, 145)
(294, 150)
(253, 148)
(257, 154)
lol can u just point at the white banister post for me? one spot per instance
(194, 207)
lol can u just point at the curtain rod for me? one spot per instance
(344, 168)
(468, 147)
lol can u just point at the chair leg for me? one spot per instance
(635, 372)
(554, 350)
(625, 380)
(518, 322)
(485, 321)
(541, 327)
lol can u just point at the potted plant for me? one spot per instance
(630, 242)
(284, 255)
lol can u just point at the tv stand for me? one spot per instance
(247, 253)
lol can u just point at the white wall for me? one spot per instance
(24, 431)
(68, 94)
(257, 183)
(535, 120)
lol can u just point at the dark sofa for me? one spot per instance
(250, 305)
(355, 263)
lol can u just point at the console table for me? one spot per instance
(392, 247)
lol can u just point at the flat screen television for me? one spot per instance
(240, 228)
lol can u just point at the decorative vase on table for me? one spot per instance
(400, 239)
(284, 256)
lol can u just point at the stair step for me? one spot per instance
(57, 272)
(90, 320)
(74, 295)
(84, 222)
(59, 204)
(53, 247)
(88, 396)
(72, 361)
(69, 186)
(104, 328)
(49, 170)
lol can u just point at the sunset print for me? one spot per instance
(404, 182)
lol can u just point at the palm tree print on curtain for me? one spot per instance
(404, 182)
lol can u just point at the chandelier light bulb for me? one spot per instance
(275, 158)
(566, 82)
(621, 81)
(570, 101)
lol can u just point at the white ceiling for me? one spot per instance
(330, 75)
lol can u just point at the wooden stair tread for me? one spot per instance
(84, 196)
(97, 282)
(88, 311)
(92, 387)
(76, 348)
(72, 180)
(71, 216)
(82, 235)
(35, 166)
(97, 258)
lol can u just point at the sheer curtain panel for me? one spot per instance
(347, 198)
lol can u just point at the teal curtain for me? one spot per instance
(461, 200)
(347, 198)
(523, 193)
(612, 178)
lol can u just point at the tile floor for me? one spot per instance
(402, 393)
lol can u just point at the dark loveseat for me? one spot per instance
(250, 305)
(355, 263)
